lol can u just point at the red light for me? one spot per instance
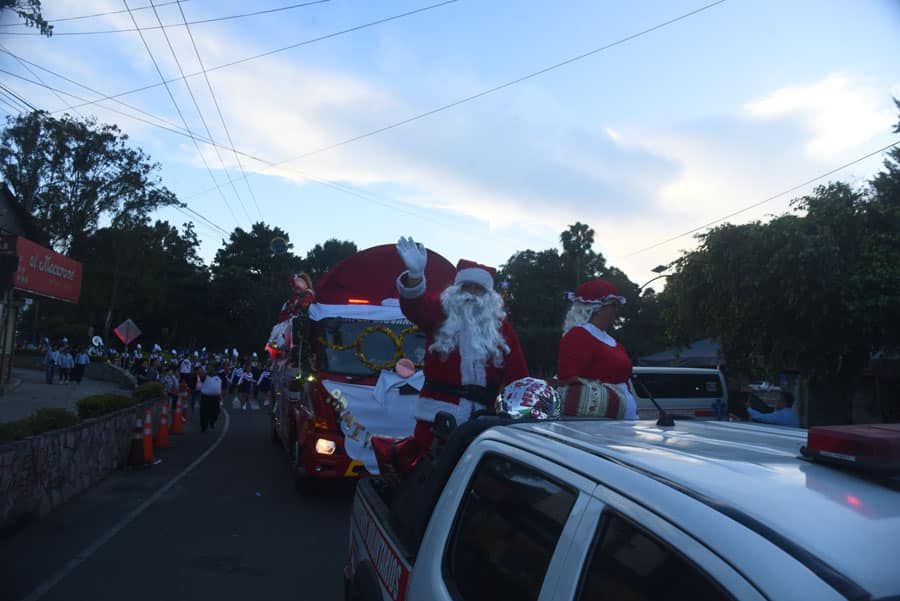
(854, 501)
(357, 301)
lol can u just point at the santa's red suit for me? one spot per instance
(424, 309)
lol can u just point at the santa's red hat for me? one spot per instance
(476, 273)
(597, 292)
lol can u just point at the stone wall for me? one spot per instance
(42, 472)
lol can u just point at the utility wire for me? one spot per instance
(508, 84)
(113, 12)
(164, 27)
(277, 50)
(219, 111)
(10, 102)
(180, 114)
(85, 101)
(38, 77)
(764, 201)
(191, 212)
(17, 97)
(200, 113)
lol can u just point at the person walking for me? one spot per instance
(51, 360)
(210, 398)
(66, 363)
(81, 362)
(170, 387)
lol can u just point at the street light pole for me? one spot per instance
(659, 269)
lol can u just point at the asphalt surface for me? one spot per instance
(32, 393)
(230, 528)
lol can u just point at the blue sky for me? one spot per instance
(643, 141)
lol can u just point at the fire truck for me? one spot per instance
(352, 338)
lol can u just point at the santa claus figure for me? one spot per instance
(472, 352)
(588, 352)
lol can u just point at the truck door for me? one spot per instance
(501, 530)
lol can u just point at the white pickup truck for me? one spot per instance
(586, 510)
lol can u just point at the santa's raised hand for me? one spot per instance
(414, 257)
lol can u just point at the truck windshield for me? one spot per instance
(360, 348)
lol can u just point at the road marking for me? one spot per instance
(85, 554)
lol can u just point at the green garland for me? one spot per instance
(356, 345)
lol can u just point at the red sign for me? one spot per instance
(127, 331)
(43, 271)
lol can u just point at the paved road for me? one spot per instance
(208, 536)
(34, 393)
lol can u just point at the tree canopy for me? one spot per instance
(30, 12)
(68, 173)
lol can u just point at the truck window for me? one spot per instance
(341, 341)
(628, 563)
(680, 386)
(505, 533)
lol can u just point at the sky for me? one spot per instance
(660, 131)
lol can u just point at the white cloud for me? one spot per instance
(839, 113)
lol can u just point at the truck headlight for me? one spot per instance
(325, 446)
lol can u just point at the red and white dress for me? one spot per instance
(588, 352)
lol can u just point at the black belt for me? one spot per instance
(483, 395)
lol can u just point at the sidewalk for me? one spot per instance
(34, 393)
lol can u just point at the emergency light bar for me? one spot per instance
(871, 446)
(357, 301)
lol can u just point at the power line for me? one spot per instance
(180, 114)
(200, 113)
(219, 111)
(17, 97)
(10, 102)
(508, 84)
(189, 211)
(85, 101)
(113, 12)
(764, 201)
(277, 50)
(164, 27)
(30, 70)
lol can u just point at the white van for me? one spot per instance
(685, 391)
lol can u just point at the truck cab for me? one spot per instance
(354, 334)
(585, 509)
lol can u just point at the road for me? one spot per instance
(231, 527)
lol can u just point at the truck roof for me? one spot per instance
(848, 521)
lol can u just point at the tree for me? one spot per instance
(250, 282)
(30, 12)
(70, 173)
(323, 257)
(886, 184)
(815, 290)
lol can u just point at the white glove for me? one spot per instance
(414, 257)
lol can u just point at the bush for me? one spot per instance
(148, 391)
(41, 421)
(101, 404)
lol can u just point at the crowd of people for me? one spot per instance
(65, 364)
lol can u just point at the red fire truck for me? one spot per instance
(354, 333)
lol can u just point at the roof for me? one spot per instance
(846, 521)
(371, 275)
(703, 353)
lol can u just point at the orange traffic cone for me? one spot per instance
(136, 455)
(162, 433)
(177, 422)
(148, 438)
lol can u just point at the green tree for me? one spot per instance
(249, 285)
(816, 290)
(323, 257)
(70, 173)
(886, 184)
(30, 12)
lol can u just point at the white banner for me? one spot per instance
(388, 310)
(380, 410)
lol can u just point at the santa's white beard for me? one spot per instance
(473, 325)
